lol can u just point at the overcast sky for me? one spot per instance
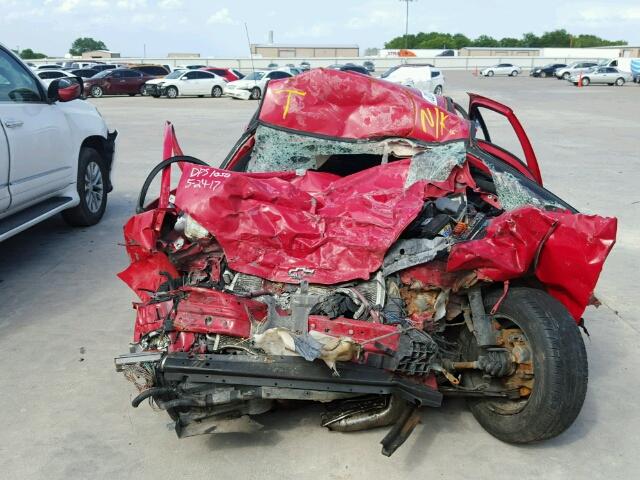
(216, 27)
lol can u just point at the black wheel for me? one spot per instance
(553, 383)
(132, 94)
(566, 75)
(96, 91)
(216, 92)
(490, 73)
(543, 74)
(438, 90)
(91, 185)
(620, 82)
(585, 81)
(255, 93)
(514, 73)
(172, 92)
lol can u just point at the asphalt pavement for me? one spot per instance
(66, 414)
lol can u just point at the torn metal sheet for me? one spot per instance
(565, 251)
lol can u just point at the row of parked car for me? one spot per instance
(610, 72)
(201, 80)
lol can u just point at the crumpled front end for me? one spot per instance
(323, 283)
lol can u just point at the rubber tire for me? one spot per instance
(585, 81)
(132, 94)
(566, 75)
(216, 91)
(543, 74)
(97, 89)
(255, 93)
(490, 73)
(80, 215)
(560, 369)
(619, 82)
(514, 73)
(172, 88)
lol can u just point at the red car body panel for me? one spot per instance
(342, 105)
(478, 101)
(328, 229)
(225, 73)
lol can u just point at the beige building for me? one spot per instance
(100, 54)
(274, 50)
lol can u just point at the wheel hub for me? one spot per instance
(93, 187)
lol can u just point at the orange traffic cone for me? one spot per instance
(580, 80)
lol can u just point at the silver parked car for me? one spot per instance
(605, 75)
(574, 68)
(502, 69)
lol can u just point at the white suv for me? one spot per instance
(56, 153)
(422, 77)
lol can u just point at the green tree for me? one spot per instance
(86, 44)
(510, 42)
(28, 54)
(554, 38)
(485, 41)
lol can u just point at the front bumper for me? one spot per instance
(282, 372)
(239, 93)
(154, 89)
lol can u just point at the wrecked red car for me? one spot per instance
(368, 247)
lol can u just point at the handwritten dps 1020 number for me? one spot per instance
(205, 178)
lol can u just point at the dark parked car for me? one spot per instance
(119, 81)
(355, 68)
(304, 66)
(369, 65)
(155, 71)
(83, 72)
(104, 66)
(546, 71)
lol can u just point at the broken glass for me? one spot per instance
(436, 163)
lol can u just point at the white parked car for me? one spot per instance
(252, 86)
(56, 153)
(153, 87)
(49, 66)
(425, 78)
(47, 76)
(508, 69)
(180, 83)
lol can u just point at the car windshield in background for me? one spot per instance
(102, 74)
(388, 72)
(175, 74)
(254, 76)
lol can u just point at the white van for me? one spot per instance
(423, 77)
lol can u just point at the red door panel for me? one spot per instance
(475, 103)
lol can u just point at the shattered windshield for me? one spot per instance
(277, 150)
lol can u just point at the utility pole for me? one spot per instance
(406, 26)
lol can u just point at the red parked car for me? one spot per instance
(119, 81)
(364, 245)
(225, 73)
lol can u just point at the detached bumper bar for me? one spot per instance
(295, 373)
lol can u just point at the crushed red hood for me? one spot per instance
(346, 105)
